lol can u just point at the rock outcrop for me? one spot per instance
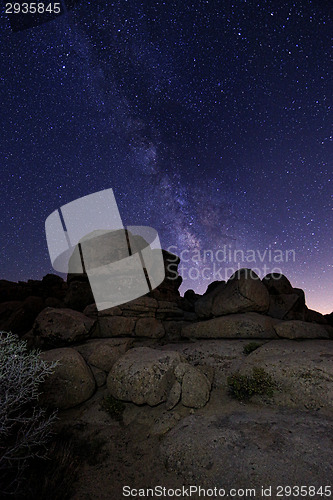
(165, 349)
(243, 292)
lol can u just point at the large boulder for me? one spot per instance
(195, 386)
(61, 327)
(277, 284)
(298, 311)
(247, 450)
(91, 311)
(203, 306)
(79, 295)
(282, 305)
(149, 327)
(243, 292)
(143, 375)
(168, 289)
(240, 326)
(142, 306)
(173, 329)
(300, 330)
(168, 310)
(114, 326)
(285, 302)
(315, 317)
(303, 371)
(71, 382)
(103, 353)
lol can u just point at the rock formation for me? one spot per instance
(124, 346)
(168, 360)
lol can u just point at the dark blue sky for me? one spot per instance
(210, 120)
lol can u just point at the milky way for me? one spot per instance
(210, 120)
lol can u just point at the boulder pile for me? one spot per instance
(164, 348)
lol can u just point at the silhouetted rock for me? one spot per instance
(329, 318)
(282, 304)
(168, 289)
(19, 316)
(30, 298)
(187, 302)
(285, 302)
(79, 295)
(7, 309)
(203, 306)
(211, 287)
(277, 284)
(243, 292)
(315, 317)
(298, 311)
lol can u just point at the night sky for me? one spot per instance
(209, 119)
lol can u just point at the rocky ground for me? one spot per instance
(231, 389)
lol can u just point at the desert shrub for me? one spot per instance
(25, 427)
(250, 347)
(243, 387)
(113, 407)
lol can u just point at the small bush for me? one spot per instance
(113, 407)
(250, 347)
(25, 427)
(243, 387)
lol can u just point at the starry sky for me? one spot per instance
(209, 119)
